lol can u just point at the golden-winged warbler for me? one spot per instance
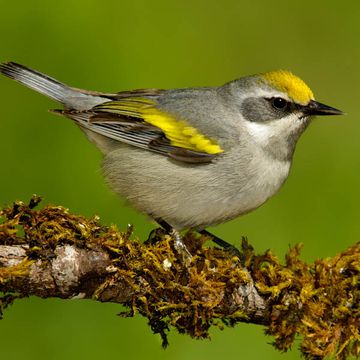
(193, 157)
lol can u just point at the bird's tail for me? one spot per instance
(37, 81)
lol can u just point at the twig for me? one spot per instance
(52, 253)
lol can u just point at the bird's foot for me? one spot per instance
(180, 247)
(223, 244)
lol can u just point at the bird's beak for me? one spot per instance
(316, 108)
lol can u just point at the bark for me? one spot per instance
(79, 273)
(52, 253)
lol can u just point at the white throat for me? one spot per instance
(278, 137)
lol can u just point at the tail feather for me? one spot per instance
(36, 81)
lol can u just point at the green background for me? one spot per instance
(118, 45)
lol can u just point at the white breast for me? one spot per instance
(267, 178)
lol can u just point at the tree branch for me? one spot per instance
(52, 253)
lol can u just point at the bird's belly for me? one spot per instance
(242, 197)
(265, 183)
(191, 196)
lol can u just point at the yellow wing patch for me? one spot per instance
(291, 84)
(179, 132)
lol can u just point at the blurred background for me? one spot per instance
(118, 45)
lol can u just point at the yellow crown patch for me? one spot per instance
(291, 84)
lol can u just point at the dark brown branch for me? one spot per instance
(51, 253)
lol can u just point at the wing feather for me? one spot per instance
(136, 121)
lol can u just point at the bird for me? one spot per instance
(194, 157)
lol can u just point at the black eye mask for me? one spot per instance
(259, 109)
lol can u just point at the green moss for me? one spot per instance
(171, 294)
(320, 301)
(19, 270)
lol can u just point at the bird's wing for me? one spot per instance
(136, 121)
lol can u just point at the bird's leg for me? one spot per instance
(222, 243)
(168, 228)
(155, 236)
(179, 245)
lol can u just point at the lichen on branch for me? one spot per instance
(52, 253)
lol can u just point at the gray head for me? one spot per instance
(277, 107)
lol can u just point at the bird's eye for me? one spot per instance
(279, 103)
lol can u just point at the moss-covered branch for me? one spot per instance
(51, 253)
